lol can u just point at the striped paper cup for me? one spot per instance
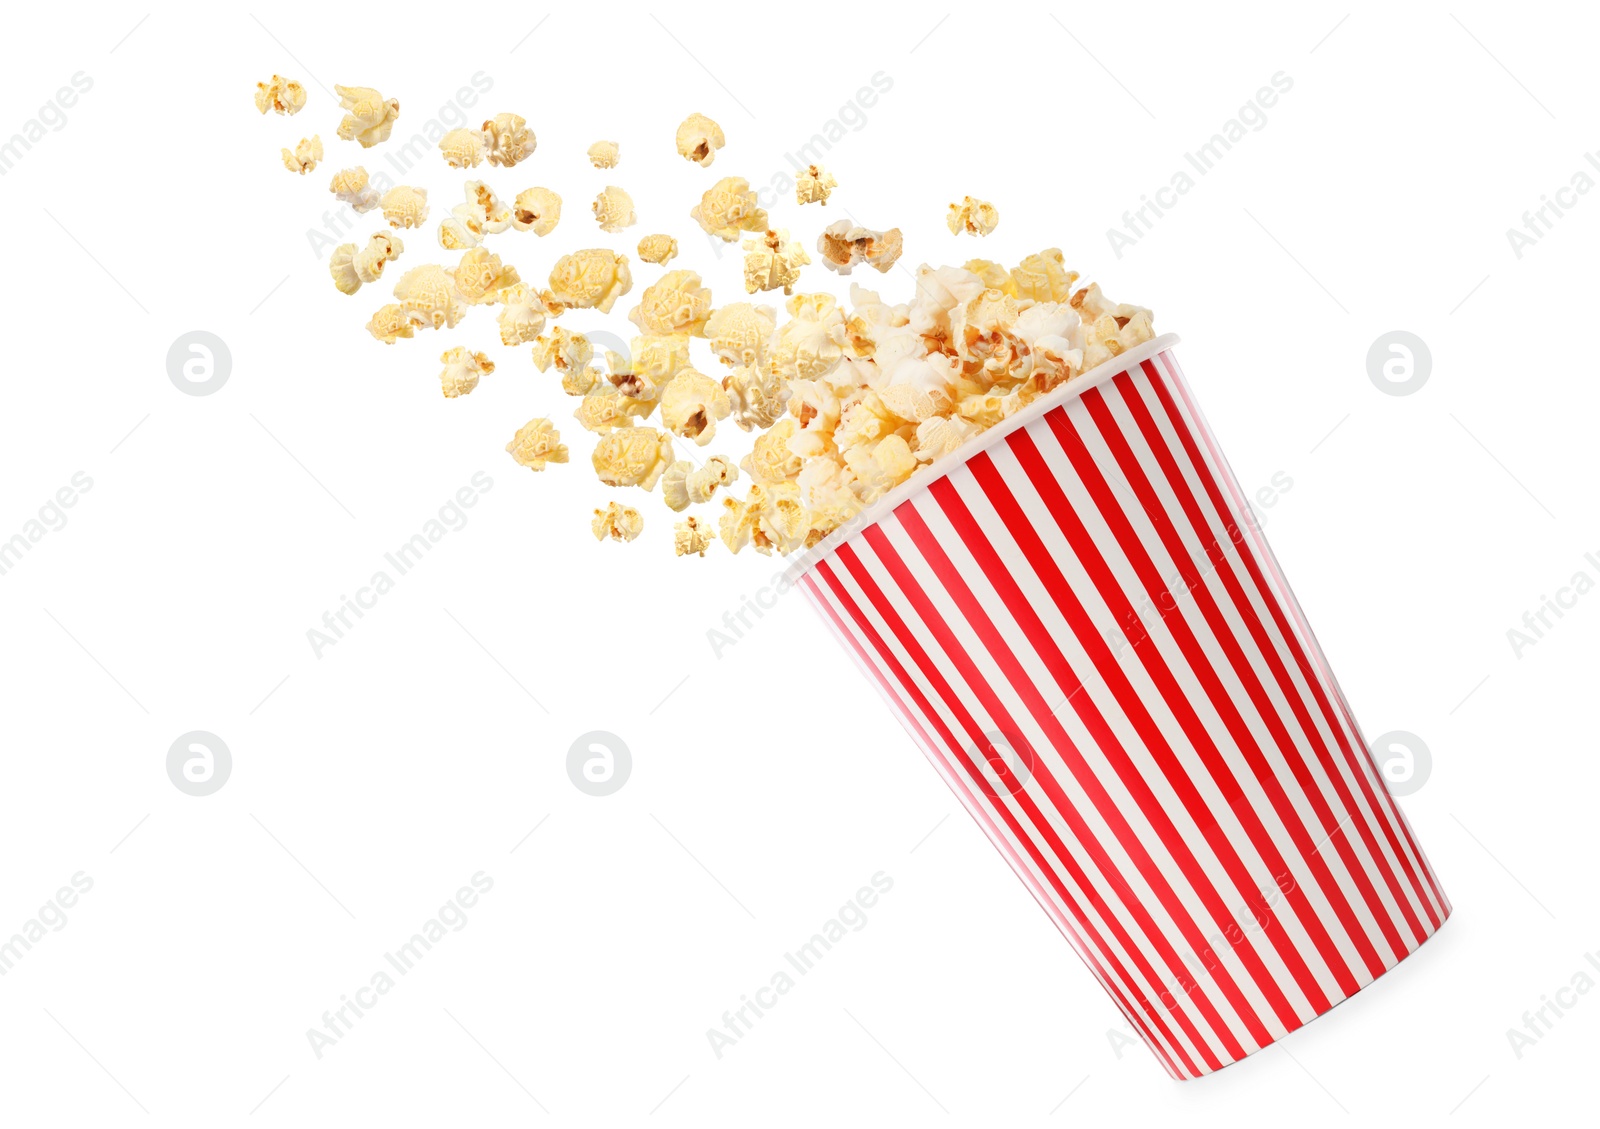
(1078, 620)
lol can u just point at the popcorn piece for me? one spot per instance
(389, 324)
(770, 460)
(975, 217)
(632, 456)
(480, 277)
(342, 265)
(563, 349)
(698, 139)
(580, 381)
(613, 208)
(738, 332)
(685, 484)
(404, 206)
(843, 245)
(814, 185)
(993, 276)
(658, 249)
(604, 409)
(351, 187)
(429, 297)
(728, 207)
(771, 518)
(462, 148)
(305, 156)
(368, 116)
(691, 536)
(1043, 277)
(772, 261)
(691, 404)
(537, 210)
(757, 394)
(508, 140)
(594, 278)
(457, 236)
(537, 443)
(674, 303)
(620, 523)
(657, 358)
(462, 370)
(521, 317)
(941, 436)
(605, 154)
(350, 267)
(281, 95)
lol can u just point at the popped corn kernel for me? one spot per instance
(772, 261)
(281, 95)
(537, 210)
(521, 316)
(941, 436)
(342, 265)
(404, 206)
(975, 217)
(563, 349)
(351, 267)
(993, 276)
(770, 461)
(508, 140)
(553, 306)
(482, 212)
(757, 394)
(613, 209)
(580, 380)
(429, 297)
(814, 185)
(457, 236)
(537, 443)
(352, 187)
(691, 404)
(727, 208)
(305, 155)
(770, 518)
(1043, 276)
(674, 303)
(632, 456)
(462, 371)
(620, 523)
(685, 484)
(605, 154)
(462, 148)
(604, 409)
(368, 116)
(389, 324)
(698, 139)
(595, 277)
(738, 332)
(480, 276)
(659, 249)
(658, 357)
(842, 245)
(811, 344)
(691, 537)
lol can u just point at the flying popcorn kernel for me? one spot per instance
(738, 332)
(632, 456)
(564, 349)
(350, 267)
(604, 409)
(975, 217)
(1043, 277)
(462, 371)
(842, 245)
(522, 315)
(691, 537)
(727, 208)
(342, 265)
(429, 297)
(580, 381)
(352, 187)
(404, 206)
(390, 324)
(814, 185)
(757, 394)
(537, 210)
(305, 155)
(772, 261)
(698, 139)
(481, 277)
(770, 461)
(613, 209)
(659, 249)
(595, 278)
(368, 116)
(771, 518)
(674, 303)
(482, 213)
(703, 481)
(605, 154)
(658, 357)
(691, 405)
(281, 95)
(462, 148)
(620, 523)
(537, 443)
(993, 276)
(508, 140)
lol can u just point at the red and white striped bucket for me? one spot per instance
(1079, 622)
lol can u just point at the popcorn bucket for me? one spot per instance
(1077, 619)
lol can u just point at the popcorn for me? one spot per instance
(728, 207)
(811, 344)
(537, 443)
(770, 460)
(368, 117)
(563, 349)
(757, 394)
(508, 139)
(280, 95)
(462, 148)
(603, 409)
(620, 523)
(659, 249)
(305, 156)
(580, 380)
(404, 206)
(843, 245)
(592, 278)
(521, 316)
(770, 518)
(632, 456)
(975, 217)
(613, 208)
(691, 404)
(537, 210)
(691, 537)
(814, 185)
(462, 371)
(351, 187)
(350, 268)
(605, 154)
(685, 484)
(772, 261)
(698, 139)
(738, 332)
(389, 324)
(429, 298)
(674, 303)
(657, 358)
(480, 277)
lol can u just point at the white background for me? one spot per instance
(768, 784)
